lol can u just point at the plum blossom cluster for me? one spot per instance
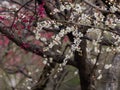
(79, 18)
(10, 6)
(67, 5)
(40, 26)
(77, 40)
(57, 39)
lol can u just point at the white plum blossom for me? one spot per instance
(55, 11)
(76, 72)
(28, 87)
(108, 49)
(99, 71)
(113, 8)
(78, 8)
(93, 60)
(99, 77)
(107, 66)
(44, 62)
(5, 3)
(62, 7)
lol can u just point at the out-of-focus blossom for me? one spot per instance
(41, 10)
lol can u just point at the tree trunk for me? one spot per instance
(85, 79)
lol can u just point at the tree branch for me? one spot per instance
(33, 47)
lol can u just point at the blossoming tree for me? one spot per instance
(82, 33)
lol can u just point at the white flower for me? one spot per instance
(45, 62)
(80, 34)
(55, 76)
(78, 8)
(62, 7)
(69, 29)
(113, 9)
(29, 73)
(76, 72)
(61, 34)
(73, 48)
(94, 43)
(67, 56)
(88, 49)
(5, 3)
(99, 71)
(108, 49)
(37, 70)
(99, 77)
(51, 45)
(30, 79)
(60, 69)
(48, 74)
(55, 11)
(29, 87)
(96, 49)
(58, 51)
(93, 61)
(43, 39)
(57, 38)
(64, 63)
(107, 66)
(99, 16)
(118, 49)
(14, 6)
(51, 60)
(37, 37)
(45, 49)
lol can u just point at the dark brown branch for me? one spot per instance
(23, 44)
(33, 47)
